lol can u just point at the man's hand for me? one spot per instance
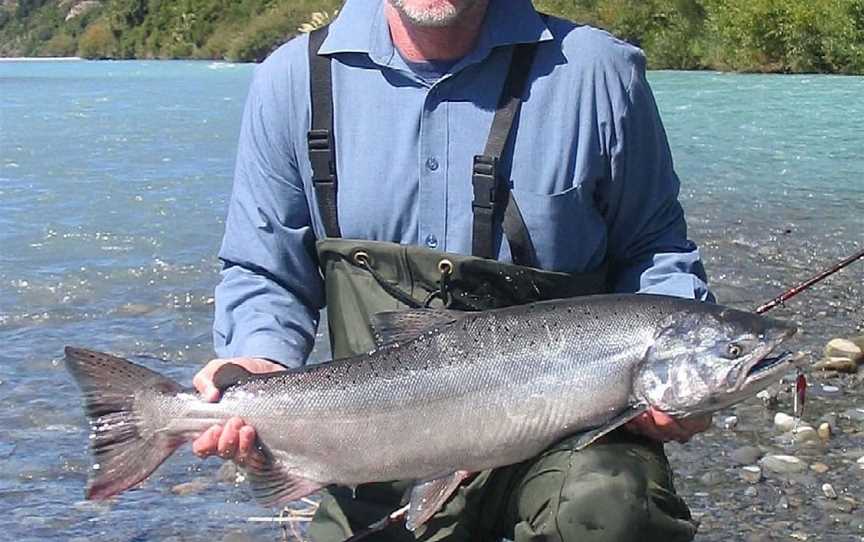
(659, 426)
(235, 440)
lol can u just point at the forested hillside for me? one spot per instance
(742, 35)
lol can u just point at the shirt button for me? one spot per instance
(431, 241)
(432, 164)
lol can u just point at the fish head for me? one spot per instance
(710, 357)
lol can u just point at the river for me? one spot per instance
(114, 180)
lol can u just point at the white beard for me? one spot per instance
(441, 14)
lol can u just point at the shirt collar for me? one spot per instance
(362, 28)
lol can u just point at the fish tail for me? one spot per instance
(126, 441)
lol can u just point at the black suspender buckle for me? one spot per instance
(320, 156)
(485, 181)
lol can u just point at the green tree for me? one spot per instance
(98, 41)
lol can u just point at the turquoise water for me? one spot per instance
(114, 179)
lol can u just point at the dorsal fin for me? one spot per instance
(229, 375)
(409, 324)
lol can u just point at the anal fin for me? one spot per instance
(428, 497)
(588, 438)
(274, 485)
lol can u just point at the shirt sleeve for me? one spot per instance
(648, 246)
(268, 301)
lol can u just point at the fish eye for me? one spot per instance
(734, 350)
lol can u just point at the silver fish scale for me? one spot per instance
(494, 388)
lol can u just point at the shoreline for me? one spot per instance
(39, 58)
(707, 69)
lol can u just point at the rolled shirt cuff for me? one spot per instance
(285, 351)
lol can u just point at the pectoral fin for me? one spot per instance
(428, 497)
(274, 485)
(589, 437)
(229, 375)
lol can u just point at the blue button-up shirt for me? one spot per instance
(590, 167)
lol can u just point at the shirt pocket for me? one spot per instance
(567, 230)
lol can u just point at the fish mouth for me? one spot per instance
(767, 366)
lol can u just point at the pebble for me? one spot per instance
(746, 455)
(844, 505)
(752, 474)
(850, 453)
(861, 463)
(840, 506)
(844, 348)
(751, 492)
(840, 365)
(824, 431)
(784, 421)
(854, 414)
(804, 434)
(829, 418)
(711, 478)
(830, 390)
(828, 491)
(783, 464)
(730, 422)
(190, 488)
(769, 396)
(820, 468)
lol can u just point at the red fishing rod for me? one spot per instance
(800, 396)
(815, 279)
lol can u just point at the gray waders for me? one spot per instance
(618, 489)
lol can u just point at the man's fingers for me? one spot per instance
(668, 427)
(201, 445)
(206, 444)
(658, 426)
(230, 438)
(698, 424)
(203, 381)
(247, 452)
(682, 430)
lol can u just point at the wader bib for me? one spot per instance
(363, 278)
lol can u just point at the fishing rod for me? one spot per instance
(815, 279)
(800, 395)
(801, 384)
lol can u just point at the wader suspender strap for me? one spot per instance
(322, 147)
(491, 192)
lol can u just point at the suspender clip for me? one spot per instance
(485, 181)
(320, 155)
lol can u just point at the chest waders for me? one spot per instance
(364, 277)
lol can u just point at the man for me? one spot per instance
(582, 187)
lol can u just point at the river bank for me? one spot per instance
(753, 36)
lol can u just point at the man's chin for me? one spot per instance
(432, 13)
